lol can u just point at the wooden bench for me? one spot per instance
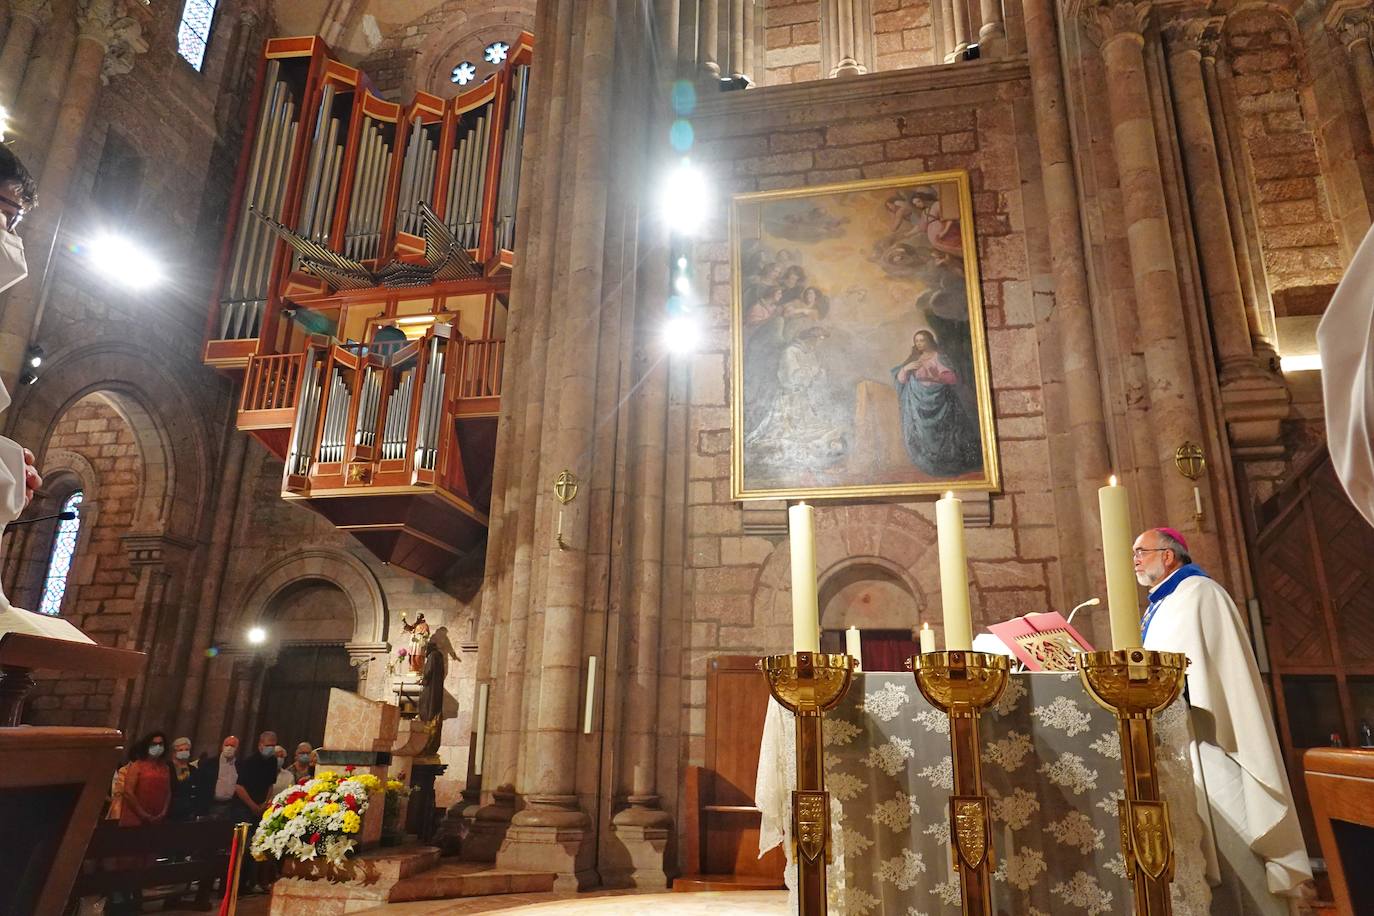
(1340, 783)
(129, 859)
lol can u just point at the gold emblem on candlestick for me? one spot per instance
(962, 685)
(1135, 684)
(808, 684)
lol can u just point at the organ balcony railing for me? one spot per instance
(363, 295)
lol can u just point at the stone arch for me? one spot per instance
(847, 589)
(464, 36)
(895, 539)
(343, 570)
(169, 425)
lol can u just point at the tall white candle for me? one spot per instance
(854, 646)
(1122, 599)
(806, 622)
(927, 638)
(949, 523)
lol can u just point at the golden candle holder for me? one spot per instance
(962, 685)
(808, 684)
(1134, 684)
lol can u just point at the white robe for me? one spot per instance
(1344, 341)
(1236, 756)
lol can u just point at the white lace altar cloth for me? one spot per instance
(1051, 766)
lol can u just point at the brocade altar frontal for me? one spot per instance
(1052, 770)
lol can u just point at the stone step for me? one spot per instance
(469, 879)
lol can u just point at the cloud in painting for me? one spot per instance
(802, 221)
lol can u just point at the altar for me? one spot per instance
(1051, 762)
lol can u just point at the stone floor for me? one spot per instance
(595, 903)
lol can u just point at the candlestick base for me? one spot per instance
(808, 684)
(961, 685)
(1134, 684)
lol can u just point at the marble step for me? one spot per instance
(468, 879)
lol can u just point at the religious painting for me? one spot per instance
(859, 361)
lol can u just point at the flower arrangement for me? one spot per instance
(317, 818)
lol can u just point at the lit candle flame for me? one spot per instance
(949, 494)
(1111, 481)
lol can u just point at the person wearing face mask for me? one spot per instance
(147, 783)
(218, 778)
(302, 767)
(1259, 857)
(184, 782)
(257, 774)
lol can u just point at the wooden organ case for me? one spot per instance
(363, 292)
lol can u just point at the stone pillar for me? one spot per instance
(1072, 319)
(1353, 24)
(708, 39)
(106, 35)
(734, 33)
(956, 13)
(26, 17)
(750, 11)
(992, 34)
(1254, 398)
(847, 23)
(1118, 28)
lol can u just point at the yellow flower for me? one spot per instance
(352, 823)
(331, 808)
(291, 810)
(271, 810)
(369, 782)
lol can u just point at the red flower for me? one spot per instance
(351, 803)
(301, 782)
(350, 768)
(314, 838)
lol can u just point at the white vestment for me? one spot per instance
(1343, 339)
(1236, 756)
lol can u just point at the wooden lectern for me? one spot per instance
(53, 781)
(1340, 785)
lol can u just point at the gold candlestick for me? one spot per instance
(1134, 684)
(808, 684)
(962, 685)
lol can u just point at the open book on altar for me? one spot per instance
(18, 620)
(1042, 642)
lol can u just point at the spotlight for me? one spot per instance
(682, 334)
(257, 636)
(119, 259)
(4, 121)
(34, 357)
(685, 199)
(28, 377)
(1303, 362)
(682, 286)
(971, 52)
(734, 83)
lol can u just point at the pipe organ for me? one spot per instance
(363, 293)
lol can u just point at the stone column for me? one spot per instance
(1353, 25)
(1254, 398)
(26, 17)
(734, 27)
(105, 35)
(956, 13)
(747, 64)
(1072, 320)
(992, 34)
(1118, 28)
(708, 39)
(847, 23)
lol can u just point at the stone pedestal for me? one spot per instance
(561, 849)
(637, 856)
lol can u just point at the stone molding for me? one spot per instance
(115, 26)
(155, 548)
(1354, 26)
(1190, 34)
(1109, 21)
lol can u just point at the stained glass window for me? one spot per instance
(194, 32)
(60, 562)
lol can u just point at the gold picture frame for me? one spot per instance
(828, 284)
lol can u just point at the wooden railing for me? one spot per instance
(270, 388)
(479, 368)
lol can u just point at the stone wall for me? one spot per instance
(739, 596)
(902, 34)
(792, 41)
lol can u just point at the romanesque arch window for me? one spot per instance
(60, 559)
(197, 17)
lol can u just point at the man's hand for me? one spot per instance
(32, 479)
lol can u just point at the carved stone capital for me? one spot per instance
(1188, 35)
(1112, 20)
(115, 26)
(38, 11)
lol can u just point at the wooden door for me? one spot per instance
(295, 697)
(1316, 586)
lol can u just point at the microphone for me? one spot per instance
(64, 516)
(1091, 602)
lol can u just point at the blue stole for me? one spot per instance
(1164, 590)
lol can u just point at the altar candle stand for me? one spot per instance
(961, 685)
(808, 684)
(1134, 684)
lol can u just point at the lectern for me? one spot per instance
(53, 781)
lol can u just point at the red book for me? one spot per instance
(1043, 642)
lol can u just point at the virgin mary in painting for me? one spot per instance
(939, 432)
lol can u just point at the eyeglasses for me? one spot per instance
(12, 210)
(1139, 552)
